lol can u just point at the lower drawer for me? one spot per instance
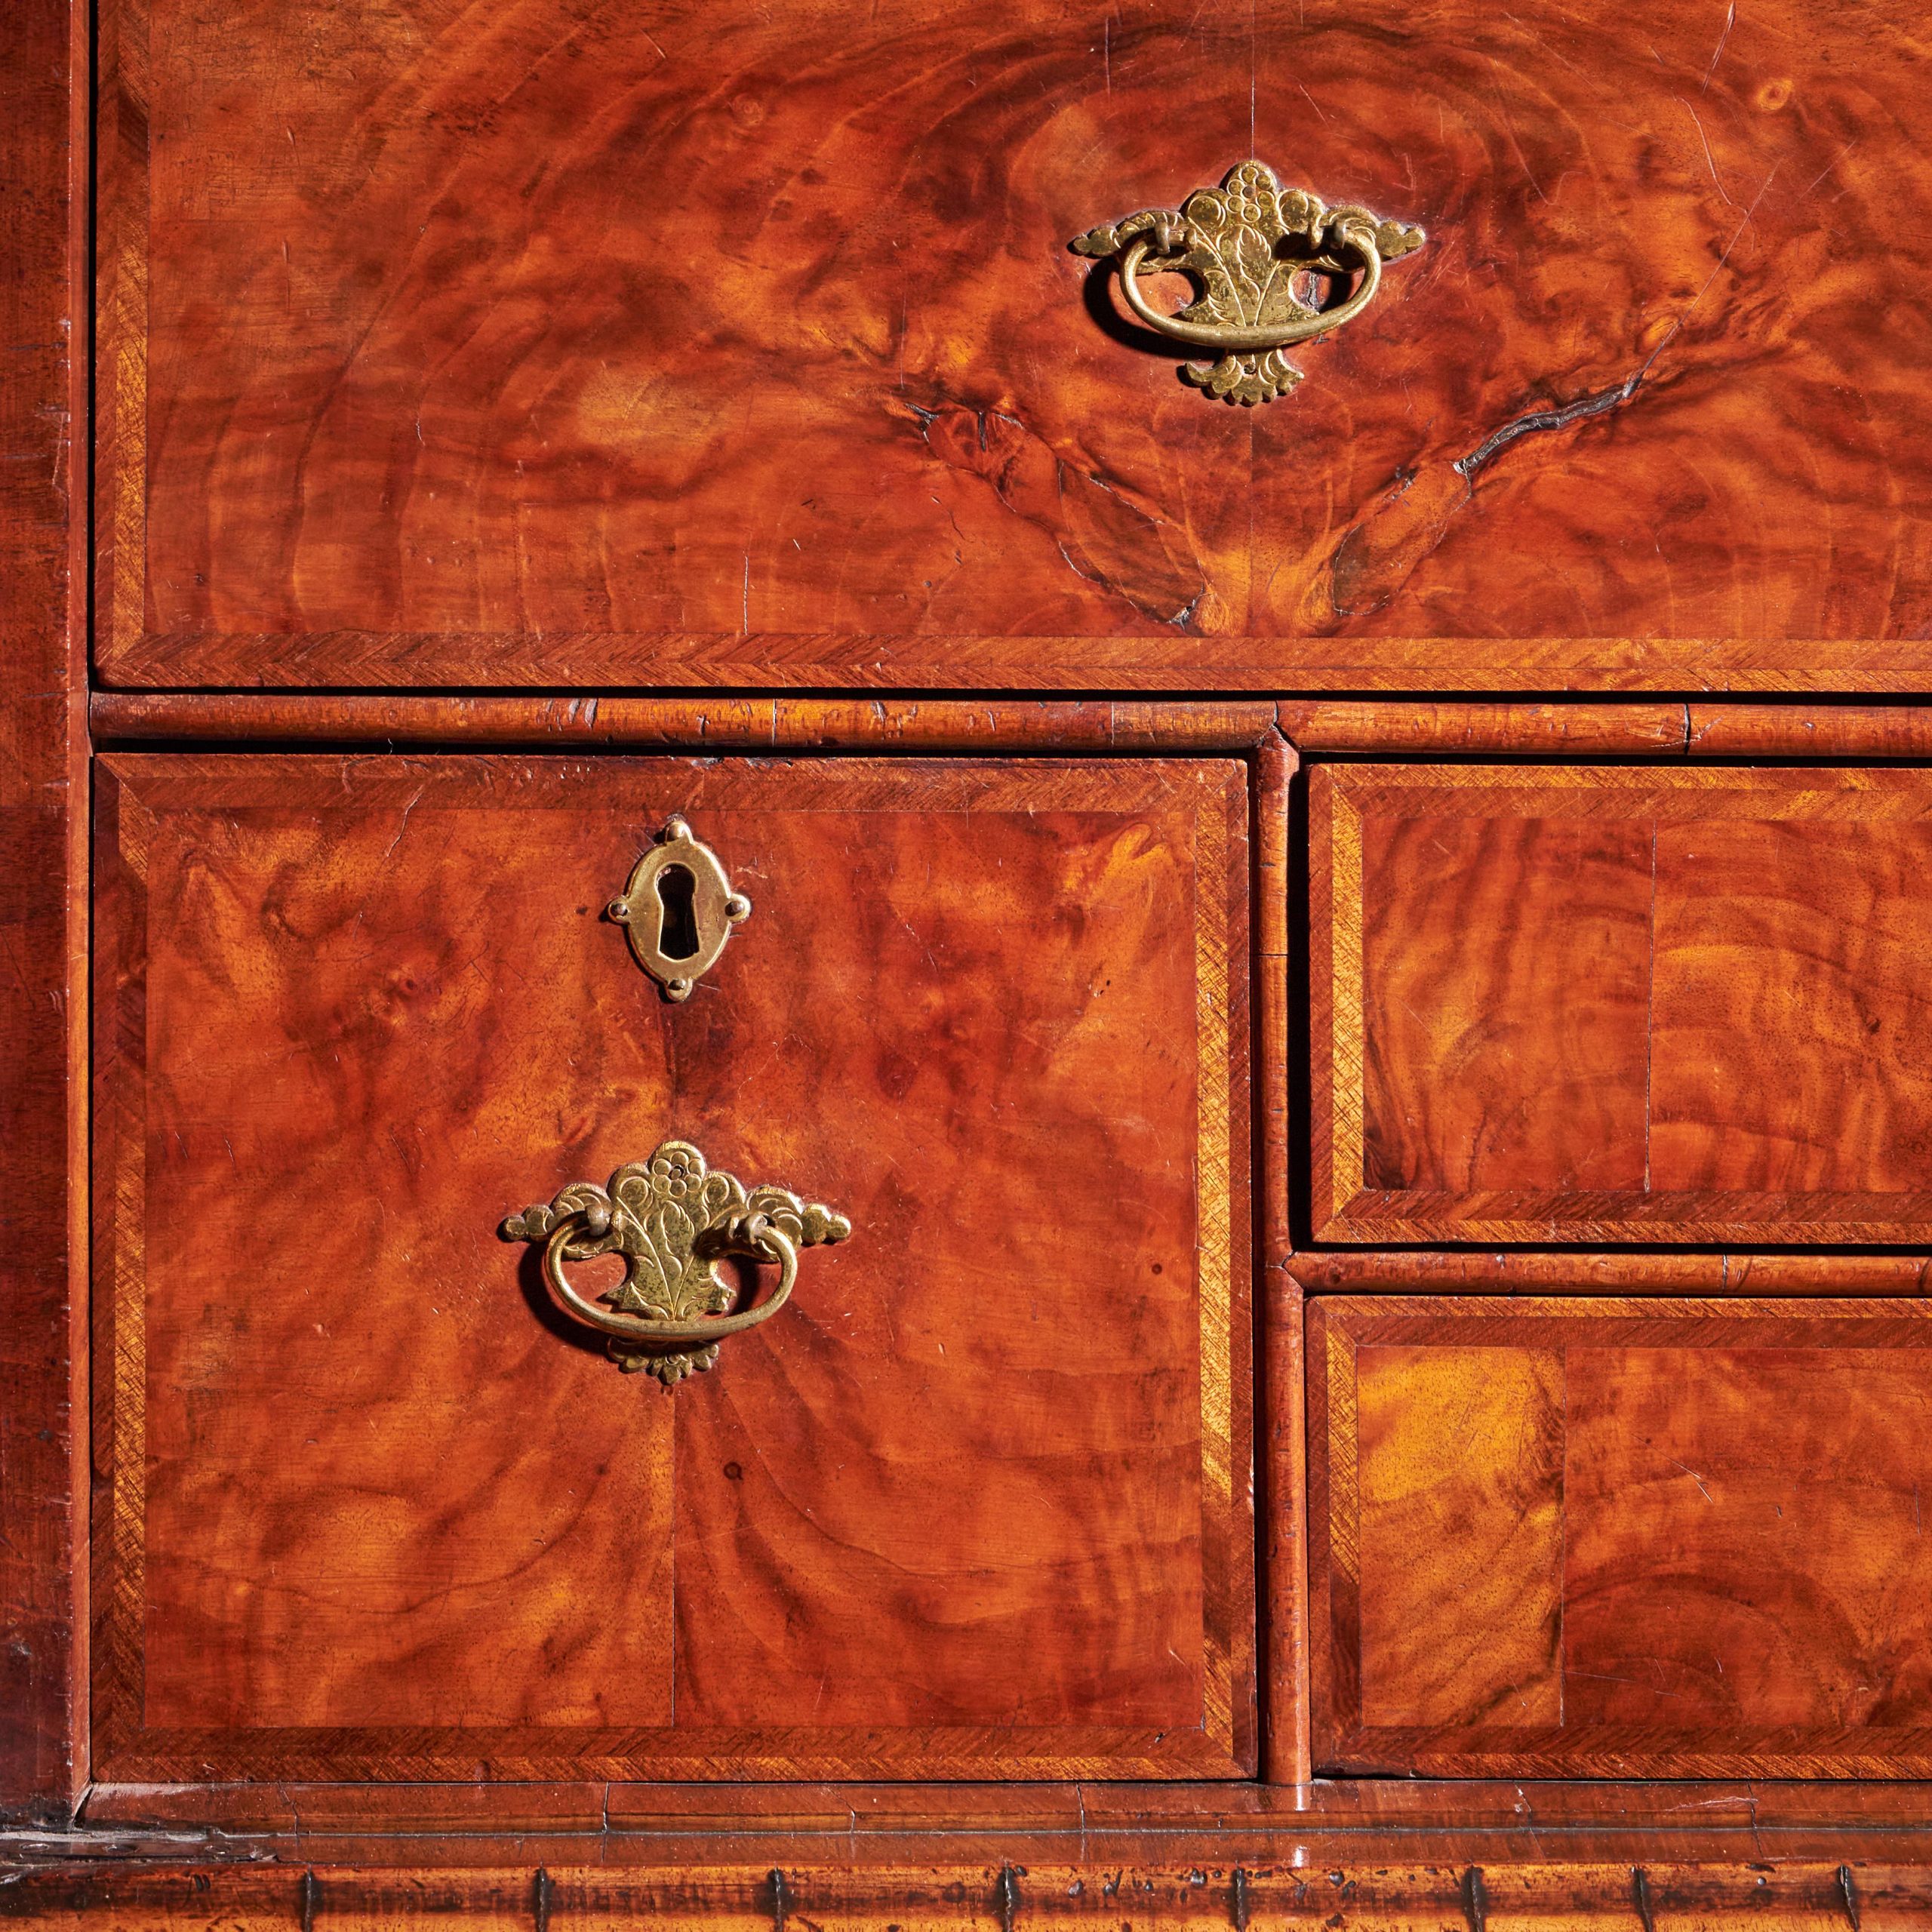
(973, 1503)
(1616, 1538)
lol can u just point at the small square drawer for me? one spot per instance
(1621, 1003)
(974, 1502)
(1621, 1539)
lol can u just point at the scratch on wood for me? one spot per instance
(1848, 1892)
(1695, 1477)
(1238, 1915)
(1710, 159)
(778, 1900)
(311, 1892)
(1730, 21)
(543, 1890)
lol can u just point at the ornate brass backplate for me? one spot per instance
(677, 946)
(672, 1218)
(1246, 245)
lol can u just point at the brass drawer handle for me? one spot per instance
(1229, 241)
(672, 1218)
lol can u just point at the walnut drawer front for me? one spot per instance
(974, 1502)
(1620, 1539)
(1620, 1003)
(725, 342)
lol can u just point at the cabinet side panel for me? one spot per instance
(43, 1002)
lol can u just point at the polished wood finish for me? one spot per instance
(565, 381)
(406, 380)
(1798, 731)
(1346, 1270)
(1543, 731)
(714, 723)
(735, 722)
(971, 1504)
(43, 463)
(1279, 1382)
(642, 1822)
(1630, 1538)
(1151, 1889)
(1605, 1004)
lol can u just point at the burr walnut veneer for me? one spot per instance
(1327, 1068)
(1638, 1537)
(1545, 995)
(968, 1505)
(717, 341)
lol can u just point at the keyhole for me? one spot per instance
(677, 924)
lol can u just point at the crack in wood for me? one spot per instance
(1540, 422)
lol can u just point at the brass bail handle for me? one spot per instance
(1230, 242)
(755, 1237)
(672, 1218)
(1233, 338)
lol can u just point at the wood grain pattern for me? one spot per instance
(1607, 1004)
(406, 379)
(43, 872)
(1280, 1433)
(1345, 1271)
(644, 1823)
(1455, 1446)
(1569, 729)
(971, 1503)
(1798, 731)
(729, 722)
(1809, 1895)
(715, 723)
(1659, 1538)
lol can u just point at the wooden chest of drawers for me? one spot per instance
(887, 1050)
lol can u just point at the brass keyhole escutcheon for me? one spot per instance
(678, 909)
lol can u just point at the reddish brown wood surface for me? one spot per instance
(1788, 730)
(976, 1895)
(1659, 1538)
(1548, 730)
(971, 1502)
(1281, 1468)
(744, 343)
(1605, 1004)
(43, 481)
(718, 723)
(1320, 1822)
(1346, 1270)
(727, 722)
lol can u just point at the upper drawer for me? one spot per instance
(1621, 1005)
(691, 343)
(973, 1501)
